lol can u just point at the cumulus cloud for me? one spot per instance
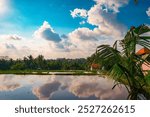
(56, 43)
(81, 42)
(11, 37)
(83, 34)
(111, 5)
(100, 17)
(17, 49)
(10, 46)
(148, 12)
(47, 32)
(79, 13)
(82, 22)
(103, 16)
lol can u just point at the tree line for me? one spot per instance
(40, 63)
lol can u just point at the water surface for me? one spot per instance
(58, 87)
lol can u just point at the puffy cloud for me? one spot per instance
(95, 15)
(82, 22)
(83, 34)
(17, 49)
(111, 5)
(56, 43)
(100, 17)
(103, 16)
(30, 46)
(47, 32)
(148, 12)
(81, 42)
(4, 6)
(11, 37)
(46, 91)
(10, 46)
(79, 13)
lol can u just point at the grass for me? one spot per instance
(47, 72)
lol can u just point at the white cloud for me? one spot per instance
(79, 13)
(4, 7)
(11, 37)
(148, 12)
(83, 34)
(107, 30)
(82, 22)
(81, 42)
(10, 46)
(111, 5)
(47, 32)
(95, 15)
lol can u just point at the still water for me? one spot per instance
(58, 87)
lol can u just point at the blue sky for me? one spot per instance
(32, 13)
(134, 14)
(56, 12)
(83, 22)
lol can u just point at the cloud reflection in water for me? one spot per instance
(51, 87)
(82, 87)
(45, 91)
(9, 87)
(100, 88)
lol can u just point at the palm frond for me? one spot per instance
(108, 55)
(142, 29)
(125, 66)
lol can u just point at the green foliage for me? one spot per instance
(40, 63)
(18, 66)
(122, 63)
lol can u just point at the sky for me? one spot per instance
(66, 28)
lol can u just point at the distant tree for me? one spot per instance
(40, 62)
(18, 66)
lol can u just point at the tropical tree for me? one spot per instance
(123, 64)
(40, 62)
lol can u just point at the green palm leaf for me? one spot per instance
(124, 66)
